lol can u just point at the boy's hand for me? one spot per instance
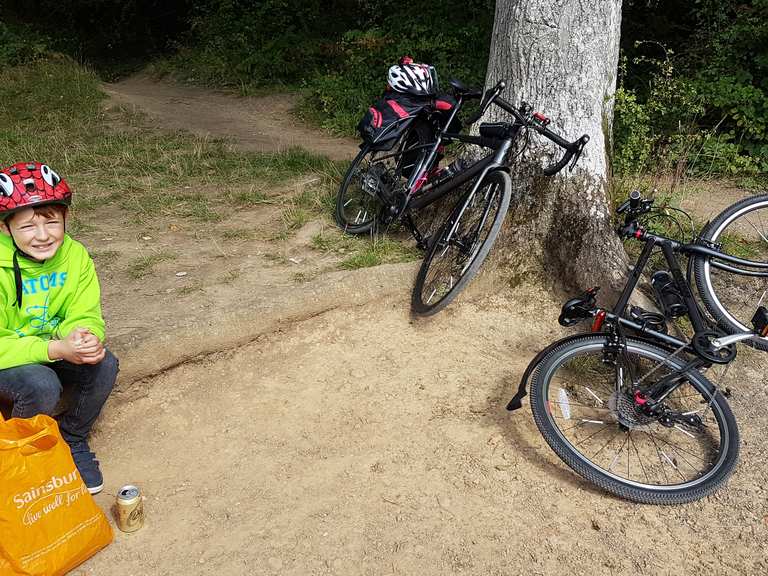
(88, 347)
(79, 347)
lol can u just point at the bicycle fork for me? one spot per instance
(497, 163)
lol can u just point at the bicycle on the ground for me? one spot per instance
(628, 407)
(393, 179)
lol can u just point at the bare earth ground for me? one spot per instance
(284, 417)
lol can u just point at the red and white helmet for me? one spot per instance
(410, 78)
(29, 184)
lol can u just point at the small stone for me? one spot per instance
(595, 525)
(146, 237)
(181, 274)
(295, 260)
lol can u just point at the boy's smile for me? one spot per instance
(36, 234)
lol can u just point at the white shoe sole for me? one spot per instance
(96, 489)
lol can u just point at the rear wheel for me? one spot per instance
(741, 230)
(462, 243)
(375, 177)
(583, 404)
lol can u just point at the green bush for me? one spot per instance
(22, 46)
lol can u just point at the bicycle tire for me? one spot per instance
(731, 298)
(357, 201)
(494, 191)
(662, 457)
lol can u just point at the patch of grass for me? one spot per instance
(364, 252)
(736, 245)
(758, 184)
(144, 265)
(189, 289)
(294, 217)
(250, 197)
(238, 234)
(110, 156)
(230, 276)
(105, 257)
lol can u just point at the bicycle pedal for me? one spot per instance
(760, 321)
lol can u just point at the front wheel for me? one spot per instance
(462, 243)
(583, 404)
(741, 230)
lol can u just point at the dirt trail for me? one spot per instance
(259, 124)
(310, 426)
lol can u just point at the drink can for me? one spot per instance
(130, 509)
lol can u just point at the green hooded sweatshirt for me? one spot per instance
(59, 295)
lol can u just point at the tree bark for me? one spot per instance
(561, 56)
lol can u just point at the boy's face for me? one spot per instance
(36, 234)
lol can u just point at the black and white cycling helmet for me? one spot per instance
(410, 78)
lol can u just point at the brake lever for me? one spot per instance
(579, 149)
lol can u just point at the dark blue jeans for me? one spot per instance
(37, 388)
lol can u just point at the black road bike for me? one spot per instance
(384, 186)
(628, 407)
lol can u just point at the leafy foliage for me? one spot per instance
(20, 45)
(694, 79)
(697, 94)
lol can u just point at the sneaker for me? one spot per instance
(88, 466)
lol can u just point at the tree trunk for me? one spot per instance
(561, 56)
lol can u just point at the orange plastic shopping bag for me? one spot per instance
(49, 523)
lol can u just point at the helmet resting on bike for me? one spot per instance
(29, 184)
(410, 78)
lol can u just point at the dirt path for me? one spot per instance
(310, 426)
(263, 124)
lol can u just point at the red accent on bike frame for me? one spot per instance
(398, 109)
(420, 181)
(639, 234)
(598, 321)
(443, 105)
(640, 400)
(540, 117)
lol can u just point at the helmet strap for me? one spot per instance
(16, 268)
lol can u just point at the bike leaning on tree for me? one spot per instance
(397, 174)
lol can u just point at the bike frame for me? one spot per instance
(669, 247)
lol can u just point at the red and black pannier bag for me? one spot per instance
(387, 119)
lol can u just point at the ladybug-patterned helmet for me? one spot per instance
(28, 184)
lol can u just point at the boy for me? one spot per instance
(51, 328)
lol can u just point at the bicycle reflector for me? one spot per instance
(760, 321)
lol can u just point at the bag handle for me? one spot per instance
(8, 444)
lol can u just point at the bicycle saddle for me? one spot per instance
(461, 89)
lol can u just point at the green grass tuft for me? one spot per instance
(144, 265)
(364, 252)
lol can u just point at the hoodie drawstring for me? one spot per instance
(17, 277)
